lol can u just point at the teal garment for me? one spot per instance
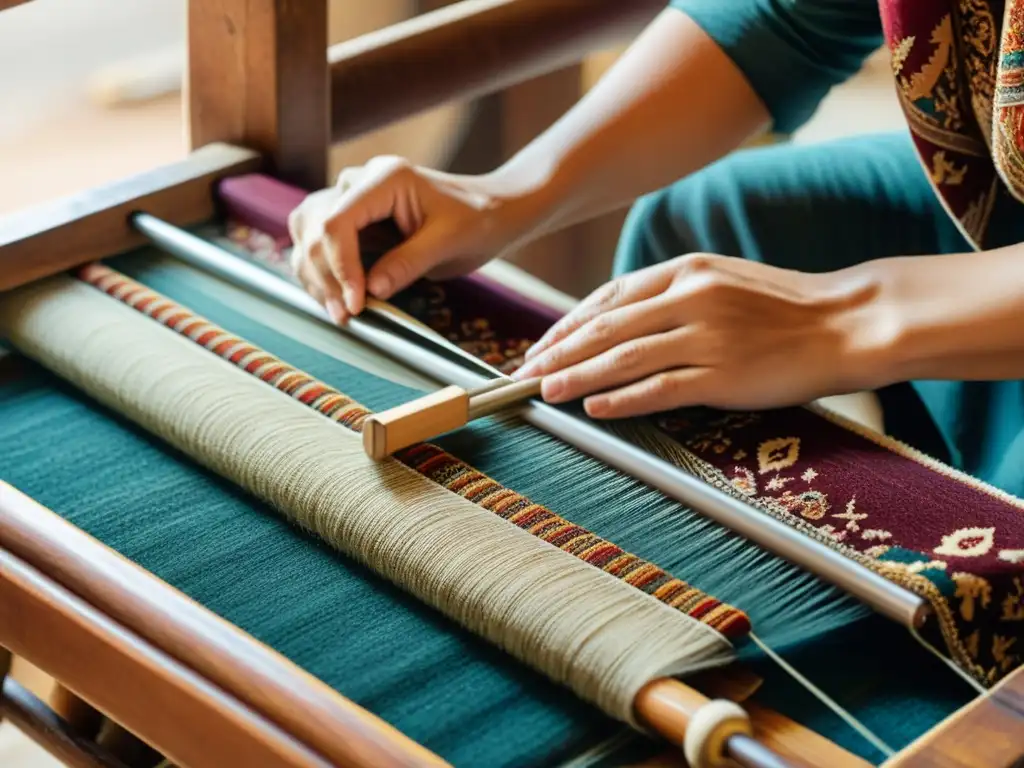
(821, 207)
(400, 659)
(791, 51)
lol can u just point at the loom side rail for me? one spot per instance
(989, 731)
(256, 676)
(152, 694)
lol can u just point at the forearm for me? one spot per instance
(953, 317)
(672, 104)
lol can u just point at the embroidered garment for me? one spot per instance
(959, 67)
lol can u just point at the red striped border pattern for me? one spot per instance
(428, 460)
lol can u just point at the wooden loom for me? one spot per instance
(265, 95)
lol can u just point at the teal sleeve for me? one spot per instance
(791, 51)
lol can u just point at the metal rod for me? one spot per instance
(750, 753)
(422, 354)
(211, 258)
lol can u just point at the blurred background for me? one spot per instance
(90, 93)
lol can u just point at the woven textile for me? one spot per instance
(429, 460)
(923, 525)
(959, 66)
(386, 651)
(938, 532)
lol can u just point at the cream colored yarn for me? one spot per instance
(576, 624)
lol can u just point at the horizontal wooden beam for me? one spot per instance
(222, 654)
(94, 224)
(167, 705)
(467, 50)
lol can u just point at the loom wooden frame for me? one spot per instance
(265, 93)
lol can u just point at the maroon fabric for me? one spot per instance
(954, 541)
(261, 202)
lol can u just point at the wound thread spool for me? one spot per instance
(710, 729)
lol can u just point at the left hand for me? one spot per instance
(709, 330)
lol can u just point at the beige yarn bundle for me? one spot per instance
(573, 622)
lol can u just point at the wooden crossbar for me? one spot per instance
(467, 50)
(95, 224)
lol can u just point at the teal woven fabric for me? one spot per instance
(451, 691)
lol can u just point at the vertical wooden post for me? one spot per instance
(81, 717)
(258, 77)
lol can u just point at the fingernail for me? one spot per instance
(380, 286)
(349, 294)
(533, 367)
(523, 372)
(335, 310)
(595, 406)
(553, 388)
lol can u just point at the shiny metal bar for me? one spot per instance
(210, 258)
(431, 357)
(750, 753)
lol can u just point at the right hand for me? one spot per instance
(452, 224)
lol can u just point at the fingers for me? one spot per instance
(341, 255)
(325, 228)
(402, 266)
(319, 282)
(631, 361)
(626, 290)
(664, 391)
(605, 331)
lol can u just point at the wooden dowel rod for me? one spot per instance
(432, 415)
(490, 386)
(667, 705)
(494, 400)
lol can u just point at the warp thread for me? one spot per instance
(429, 460)
(576, 624)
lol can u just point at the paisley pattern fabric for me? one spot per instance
(959, 67)
(941, 534)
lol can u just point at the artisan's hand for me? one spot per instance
(453, 224)
(714, 331)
